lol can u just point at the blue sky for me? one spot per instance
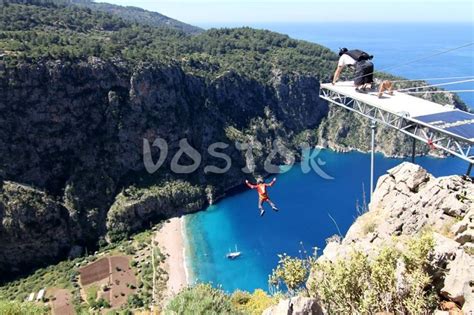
(265, 11)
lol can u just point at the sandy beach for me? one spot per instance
(171, 242)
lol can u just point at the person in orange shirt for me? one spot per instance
(261, 187)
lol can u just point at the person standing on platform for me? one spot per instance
(360, 61)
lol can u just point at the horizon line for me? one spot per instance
(323, 22)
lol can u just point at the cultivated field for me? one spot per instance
(61, 302)
(113, 275)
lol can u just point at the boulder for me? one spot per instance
(452, 206)
(459, 280)
(444, 250)
(464, 229)
(466, 223)
(411, 175)
(465, 237)
(331, 251)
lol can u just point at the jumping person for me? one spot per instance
(364, 69)
(261, 187)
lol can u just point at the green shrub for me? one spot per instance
(134, 301)
(240, 297)
(201, 299)
(293, 272)
(101, 303)
(344, 280)
(22, 308)
(91, 293)
(254, 303)
(393, 281)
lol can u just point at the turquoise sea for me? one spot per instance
(307, 201)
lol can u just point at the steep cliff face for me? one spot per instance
(35, 228)
(343, 131)
(133, 209)
(76, 132)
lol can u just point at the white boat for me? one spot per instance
(233, 255)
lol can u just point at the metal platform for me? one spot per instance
(441, 127)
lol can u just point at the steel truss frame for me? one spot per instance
(431, 135)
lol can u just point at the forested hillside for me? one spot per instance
(128, 13)
(82, 89)
(33, 32)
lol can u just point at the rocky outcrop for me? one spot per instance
(133, 209)
(407, 201)
(34, 228)
(295, 306)
(464, 230)
(459, 280)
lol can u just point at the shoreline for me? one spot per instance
(171, 241)
(185, 248)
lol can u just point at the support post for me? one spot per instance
(372, 153)
(413, 151)
(468, 173)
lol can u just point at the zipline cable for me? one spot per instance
(440, 91)
(433, 85)
(432, 79)
(429, 56)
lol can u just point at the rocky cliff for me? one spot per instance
(408, 201)
(31, 222)
(75, 132)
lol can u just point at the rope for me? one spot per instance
(433, 85)
(432, 79)
(434, 92)
(418, 59)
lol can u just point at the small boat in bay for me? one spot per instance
(233, 255)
